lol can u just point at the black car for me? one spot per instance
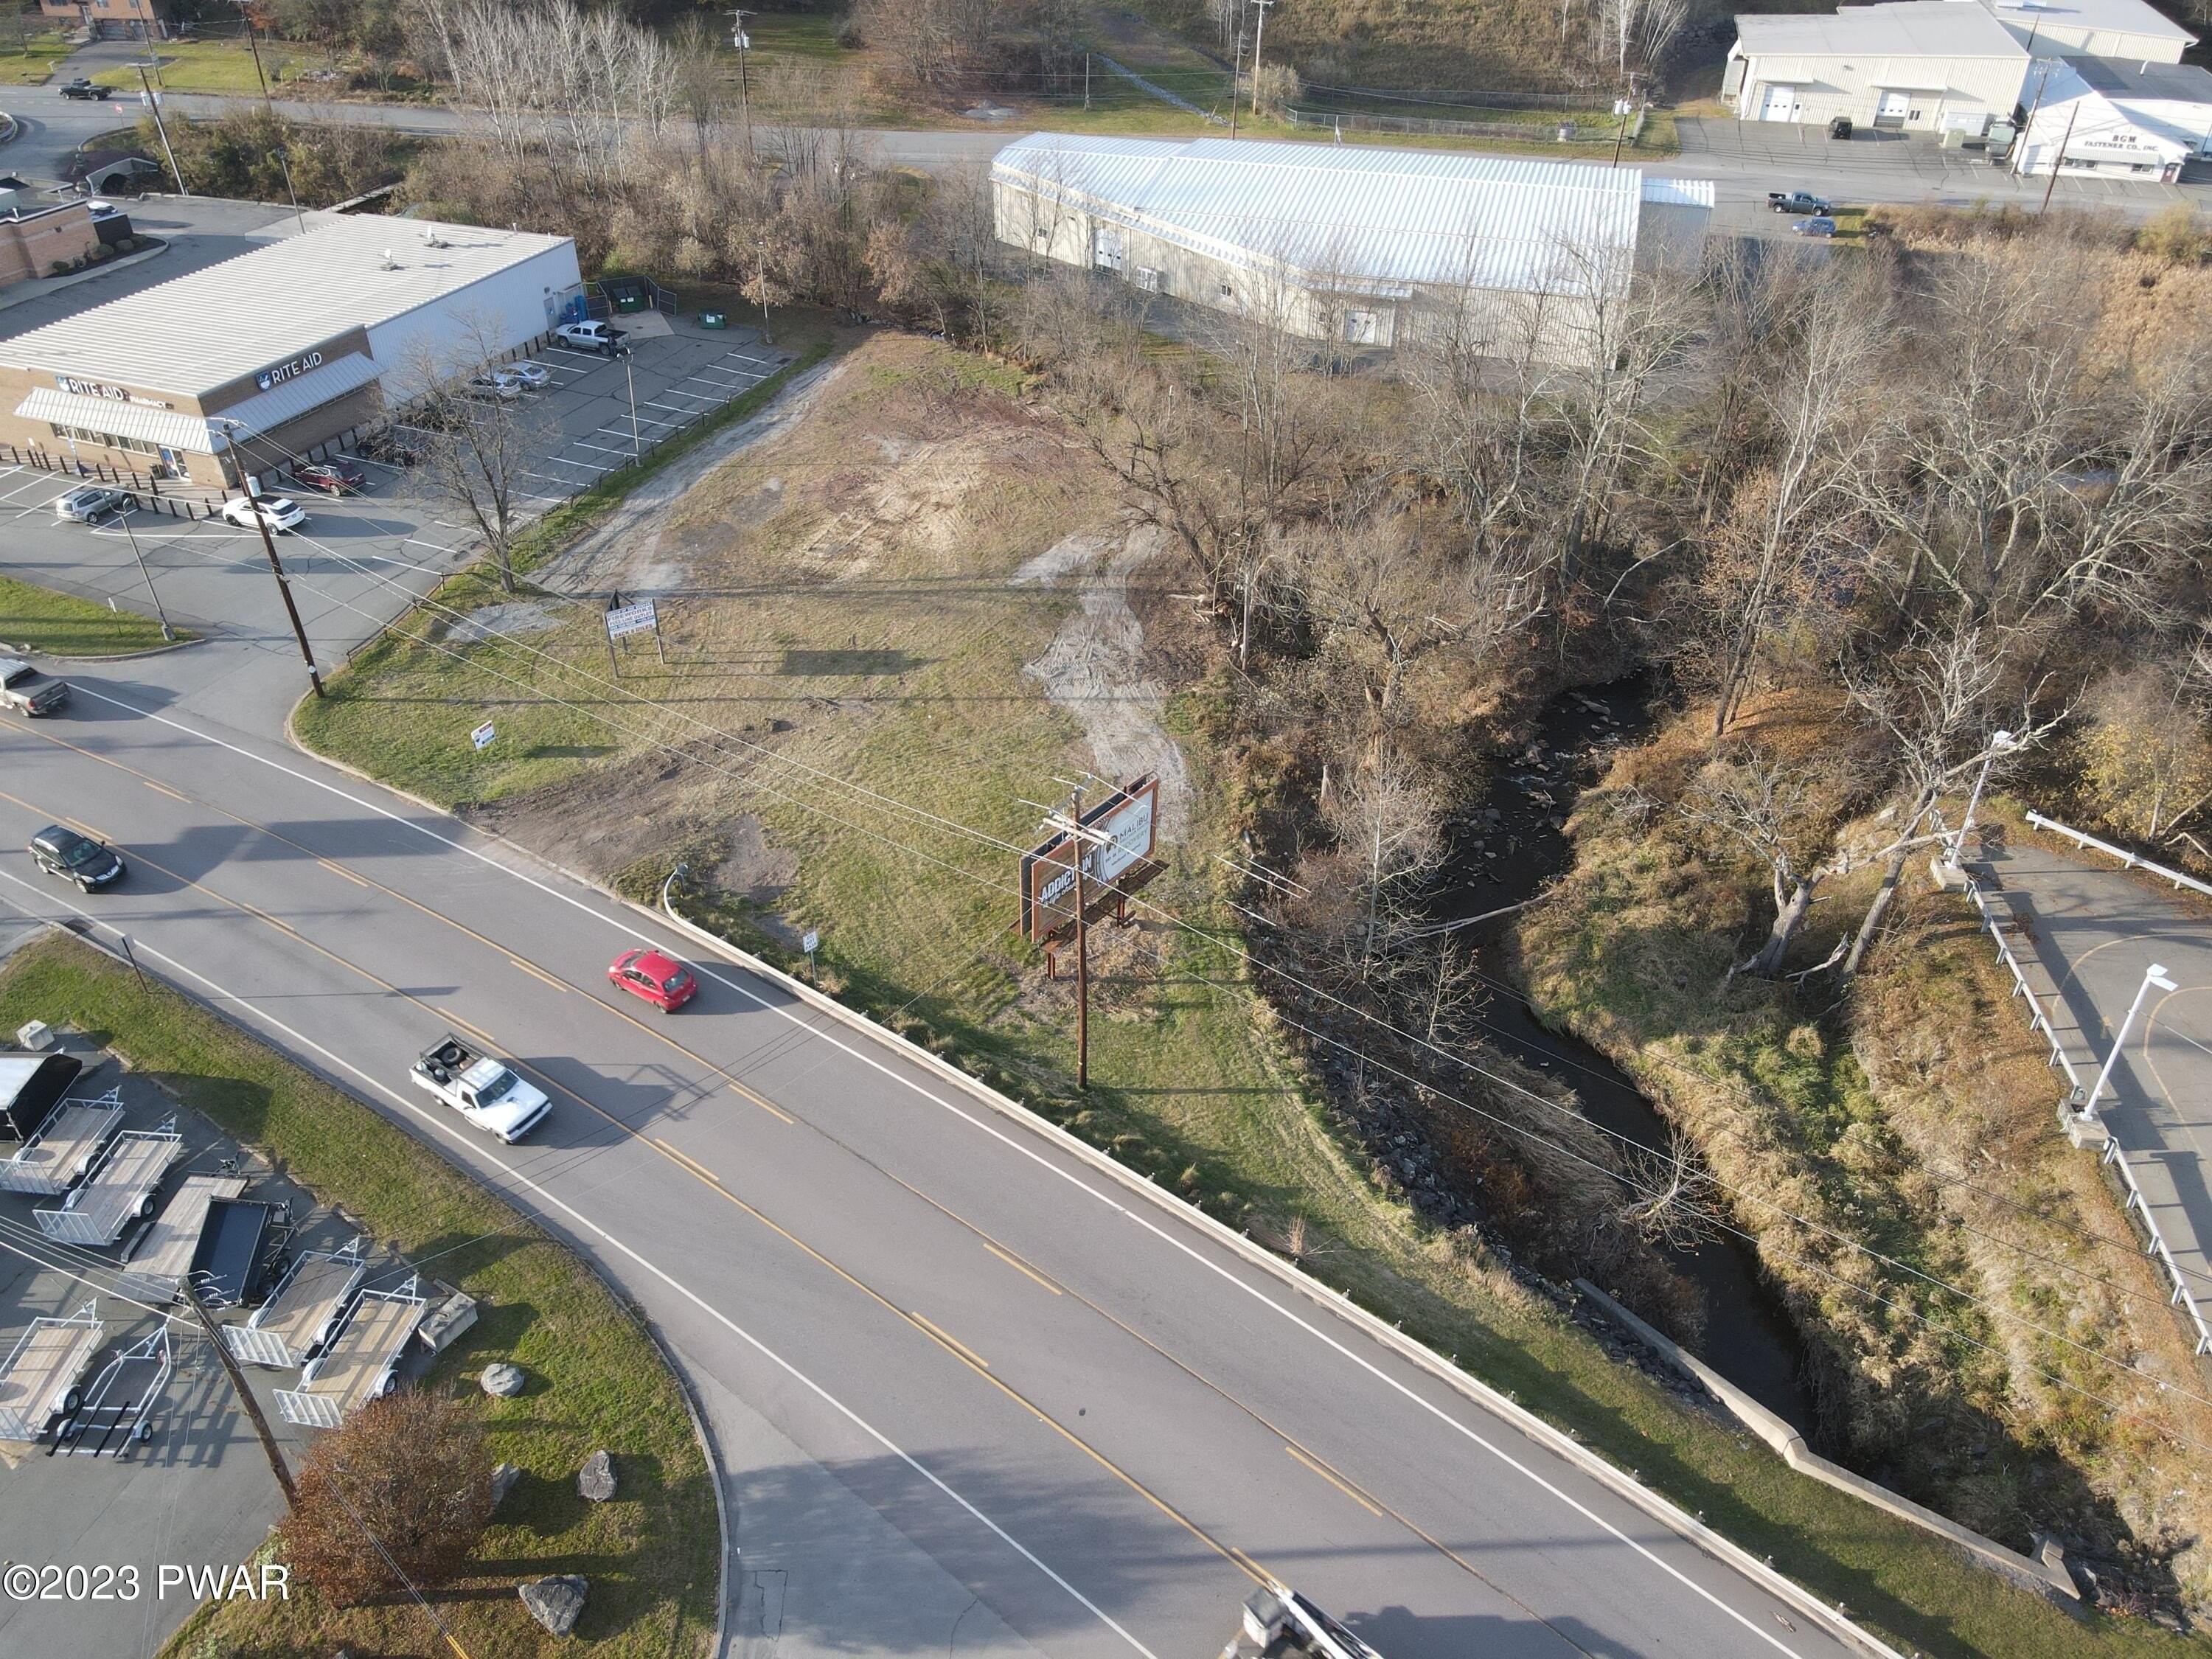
(75, 858)
(84, 88)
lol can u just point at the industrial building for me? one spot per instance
(2117, 119)
(240, 364)
(1930, 66)
(1350, 244)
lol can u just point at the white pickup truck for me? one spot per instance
(592, 336)
(481, 1088)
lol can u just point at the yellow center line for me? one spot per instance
(692, 1165)
(1315, 1465)
(952, 1341)
(481, 1035)
(1021, 1267)
(84, 829)
(164, 789)
(338, 870)
(539, 973)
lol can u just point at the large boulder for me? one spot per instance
(596, 1480)
(503, 1478)
(556, 1601)
(500, 1380)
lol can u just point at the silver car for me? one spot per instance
(90, 503)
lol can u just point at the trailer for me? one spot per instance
(1279, 1623)
(361, 1362)
(39, 1381)
(164, 1253)
(113, 1417)
(226, 1268)
(31, 1086)
(61, 1153)
(119, 1191)
(305, 1310)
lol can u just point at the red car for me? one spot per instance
(665, 982)
(336, 477)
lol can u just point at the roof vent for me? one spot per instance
(430, 237)
(390, 263)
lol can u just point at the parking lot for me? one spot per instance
(361, 559)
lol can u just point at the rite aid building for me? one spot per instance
(250, 362)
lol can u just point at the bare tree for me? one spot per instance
(1387, 823)
(483, 433)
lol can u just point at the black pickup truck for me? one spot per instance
(1799, 202)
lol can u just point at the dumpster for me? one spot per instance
(713, 319)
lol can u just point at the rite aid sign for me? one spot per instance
(291, 371)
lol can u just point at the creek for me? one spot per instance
(1506, 850)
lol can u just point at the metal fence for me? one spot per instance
(1600, 128)
(2132, 861)
(2137, 1207)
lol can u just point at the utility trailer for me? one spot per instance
(119, 1190)
(164, 1253)
(305, 1310)
(227, 1266)
(39, 1381)
(30, 1087)
(361, 1362)
(113, 1417)
(1280, 1624)
(60, 1153)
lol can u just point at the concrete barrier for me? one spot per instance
(2045, 1571)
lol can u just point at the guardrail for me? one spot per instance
(2132, 861)
(2136, 1208)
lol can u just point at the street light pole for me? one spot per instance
(636, 445)
(2153, 975)
(167, 632)
(163, 127)
(760, 244)
(2000, 743)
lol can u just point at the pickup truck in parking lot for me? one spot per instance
(592, 336)
(482, 1090)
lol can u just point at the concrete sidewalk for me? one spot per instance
(2084, 935)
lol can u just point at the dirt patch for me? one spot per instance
(1096, 668)
(523, 617)
(603, 820)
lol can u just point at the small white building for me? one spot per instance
(2140, 120)
(2127, 30)
(1922, 65)
(1350, 242)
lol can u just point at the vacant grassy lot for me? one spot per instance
(596, 1377)
(64, 625)
(225, 65)
(32, 63)
(839, 616)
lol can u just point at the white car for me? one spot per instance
(279, 513)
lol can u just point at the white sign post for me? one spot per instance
(810, 942)
(624, 620)
(482, 736)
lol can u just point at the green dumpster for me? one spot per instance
(630, 302)
(713, 319)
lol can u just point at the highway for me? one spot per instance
(971, 1391)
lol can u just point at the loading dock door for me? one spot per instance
(1781, 104)
(1893, 108)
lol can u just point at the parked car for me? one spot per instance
(336, 476)
(496, 383)
(90, 503)
(1796, 201)
(482, 1090)
(279, 513)
(28, 691)
(104, 211)
(84, 88)
(1820, 225)
(1840, 127)
(536, 376)
(592, 336)
(80, 858)
(662, 981)
(391, 449)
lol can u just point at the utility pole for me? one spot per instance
(254, 45)
(1069, 823)
(284, 166)
(1087, 80)
(167, 632)
(744, 89)
(269, 545)
(246, 1402)
(1627, 104)
(2059, 159)
(1259, 41)
(1236, 81)
(760, 244)
(163, 127)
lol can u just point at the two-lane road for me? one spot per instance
(971, 1391)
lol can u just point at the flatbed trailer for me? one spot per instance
(38, 1382)
(119, 1190)
(59, 1155)
(114, 1415)
(304, 1312)
(163, 1254)
(361, 1362)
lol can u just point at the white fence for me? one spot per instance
(2134, 861)
(2039, 1020)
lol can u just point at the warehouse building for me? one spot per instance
(2126, 30)
(245, 362)
(1923, 65)
(1350, 244)
(2119, 120)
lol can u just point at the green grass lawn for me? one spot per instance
(64, 625)
(32, 63)
(597, 1378)
(225, 65)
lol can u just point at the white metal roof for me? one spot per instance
(204, 329)
(1368, 215)
(2126, 81)
(153, 426)
(1899, 28)
(2121, 16)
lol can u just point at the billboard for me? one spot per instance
(1123, 832)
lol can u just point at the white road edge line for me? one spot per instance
(1029, 1153)
(658, 1272)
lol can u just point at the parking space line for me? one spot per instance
(627, 455)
